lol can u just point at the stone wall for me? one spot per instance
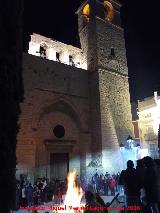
(110, 35)
(89, 45)
(109, 88)
(54, 94)
(115, 106)
(116, 120)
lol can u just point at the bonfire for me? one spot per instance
(74, 194)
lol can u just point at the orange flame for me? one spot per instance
(73, 196)
(74, 193)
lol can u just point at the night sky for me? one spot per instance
(56, 19)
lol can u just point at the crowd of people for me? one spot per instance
(105, 184)
(142, 184)
(44, 190)
(141, 187)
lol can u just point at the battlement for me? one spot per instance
(56, 51)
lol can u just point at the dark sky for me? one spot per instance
(56, 19)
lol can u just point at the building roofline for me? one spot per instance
(53, 40)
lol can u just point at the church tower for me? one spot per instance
(102, 41)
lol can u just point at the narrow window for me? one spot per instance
(42, 52)
(112, 52)
(57, 56)
(71, 60)
(78, 64)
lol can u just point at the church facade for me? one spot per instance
(76, 110)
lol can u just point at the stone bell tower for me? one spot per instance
(102, 41)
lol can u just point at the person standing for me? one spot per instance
(152, 184)
(29, 195)
(94, 184)
(18, 195)
(23, 195)
(96, 179)
(112, 184)
(106, 183)
(129, 179)
(59, 196)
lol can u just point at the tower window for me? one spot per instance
(42, 52)
(78, 64)
(112, 52)
(71, 60)
(57, 56)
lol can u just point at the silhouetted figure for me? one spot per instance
(152, 184)
(18, 195)
(141, 170)
(129, 179)
(29, 195)
(106, 185)
(157, 161)
(96, 177)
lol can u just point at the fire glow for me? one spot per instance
(74, 195)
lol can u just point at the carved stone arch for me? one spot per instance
(42, 104)
(59, 105)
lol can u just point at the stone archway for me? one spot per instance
(63, 113)
(64, 107)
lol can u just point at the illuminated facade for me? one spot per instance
(77, 108)
(149, 120)
(56, 51)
